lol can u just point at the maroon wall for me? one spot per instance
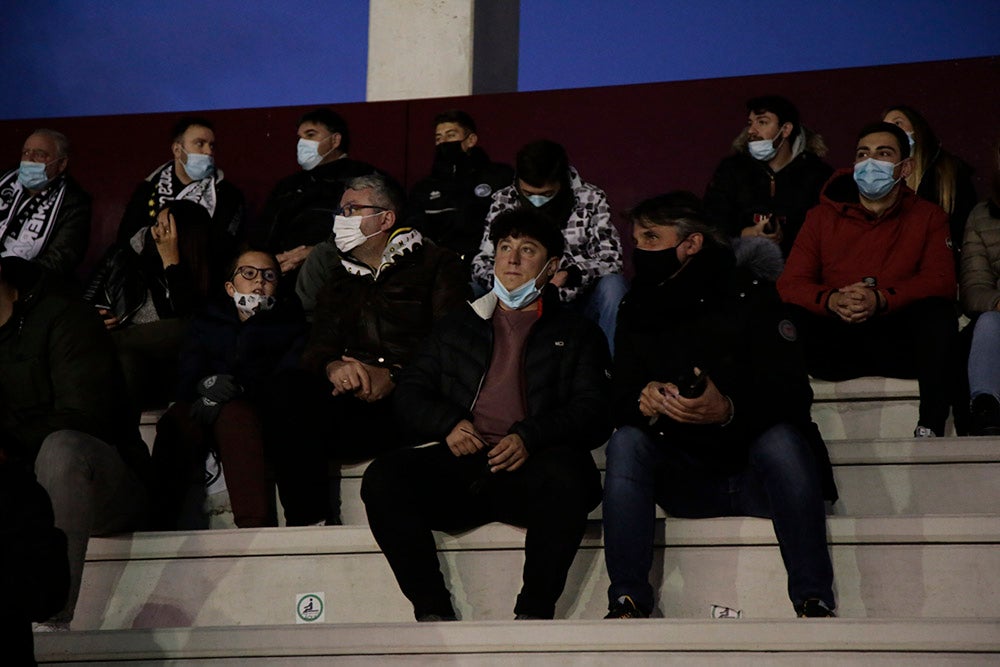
(633, 141)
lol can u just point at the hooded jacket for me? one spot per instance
(907, 249)
(981, 259)
(593, 247)
(564, 367)
(59, 370)
(729, 323)
(743, 186)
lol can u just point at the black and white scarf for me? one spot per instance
(26, 221)
(166, 183)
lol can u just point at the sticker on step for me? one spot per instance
(718, 611)
(310, 608)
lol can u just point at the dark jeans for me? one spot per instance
(179, 460)
(918, 341)
(410, 492)
(311, 428)
(781, 483)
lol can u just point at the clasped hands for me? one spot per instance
(367, 382)
(854, 303)
(663, 398)
(509, 454)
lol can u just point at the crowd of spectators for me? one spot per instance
(489, 313)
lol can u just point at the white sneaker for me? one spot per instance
(923, 432)
(50, 626)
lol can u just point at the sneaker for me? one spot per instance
(435, 618)
(923, 432)
(984, 417)
(624, 607)
(50, 626)
(528, 617)
(814, 608)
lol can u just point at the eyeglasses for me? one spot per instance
(250, 273)
(350, 209)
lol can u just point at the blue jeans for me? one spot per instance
(600, 304)
(781, 482)
(984, 357)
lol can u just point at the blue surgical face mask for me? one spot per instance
(32, 175)
(539, 200)
(874, 178)
(198, 165)
(764, 149)
(308, 153)
(521, 296)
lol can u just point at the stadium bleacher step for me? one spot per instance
(640, 642)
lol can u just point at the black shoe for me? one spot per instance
(434, 618)
(814, 608)
(623, 607)
(985, 415)
(528, 617)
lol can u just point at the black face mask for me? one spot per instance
(656, 266)
(449, 158)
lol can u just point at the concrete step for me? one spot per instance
(886, 567)
(640, 642)
(867, 407)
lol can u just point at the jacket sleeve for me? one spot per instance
(801, 283)
(979, 282)
(582, 418)
(720, 204)
(418, 404)
(935, 276)
(313, 275)
(68, 245)
(193, 361)
(602, 252)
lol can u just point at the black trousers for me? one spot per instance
(919, 341)
(409, 492)
(310, 428)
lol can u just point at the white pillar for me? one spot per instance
(419, 48)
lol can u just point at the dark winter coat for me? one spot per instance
(565, 377)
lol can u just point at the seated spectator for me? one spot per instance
(712, 405)
(63, 410)
(384, 290)
(774, 175)
(450, 206)
(873, 281)
(190, 176)
(981, 301)
(233, 350)
(147, 290)
(512, 389)
(44, 214)
(590, 270)
(297, 214)
(937, 175)
(34, 572)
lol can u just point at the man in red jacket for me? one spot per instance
(872, 277)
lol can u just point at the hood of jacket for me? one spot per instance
(841, 194)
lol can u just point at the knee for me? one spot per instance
(381, 478)
(987, 327)
(61, 454)
(629, 451)
(783, 453)
(610, 289)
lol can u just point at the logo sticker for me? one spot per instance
(483, 190)
(309, 608)
(787, 331)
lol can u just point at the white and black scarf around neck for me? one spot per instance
(167, 187)
(26, 221)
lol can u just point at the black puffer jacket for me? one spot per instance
(59, 370)
(730, 324)
(565, 369)
(381, 319)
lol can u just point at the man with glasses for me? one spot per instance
(296, 216)
(191, 175)
(44, 214)
(376, 291)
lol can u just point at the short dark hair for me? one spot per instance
(519, 222)
(679, 208)
(542, 162)
(332, 121)
(779, 106)
(181, 126)
(456, 116)
(388, 193)
(891, 128)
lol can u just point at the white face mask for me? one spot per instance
(308, 153)
(198, 166)
(251, 304)
(764, 149)
(347, 232)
